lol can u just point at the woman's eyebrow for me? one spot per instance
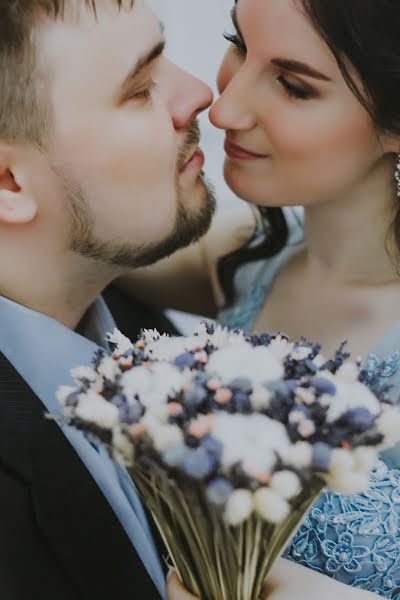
(299, 67)
(235, 22)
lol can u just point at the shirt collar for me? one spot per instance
(44, 351)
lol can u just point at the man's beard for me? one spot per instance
(189, 226)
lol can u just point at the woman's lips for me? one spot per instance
(234, 151)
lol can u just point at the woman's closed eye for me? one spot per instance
(297, 92)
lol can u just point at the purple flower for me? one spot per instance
(219, 491)
(360, 419)
(198, 463)
(323, 386)
(185, 361)
(321, 456)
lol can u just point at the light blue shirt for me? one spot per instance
(43, 352)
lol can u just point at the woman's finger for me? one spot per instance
(175, 589)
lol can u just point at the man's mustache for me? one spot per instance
(192, 140)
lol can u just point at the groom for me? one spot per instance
(100, 172)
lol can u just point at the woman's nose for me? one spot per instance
(233, 109)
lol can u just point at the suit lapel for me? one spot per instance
(74, 516)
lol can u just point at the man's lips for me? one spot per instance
(196, 160)
(235, 151)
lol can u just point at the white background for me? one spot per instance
(194, 31)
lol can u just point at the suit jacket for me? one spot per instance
(59, 537)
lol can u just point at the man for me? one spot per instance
(100, 172)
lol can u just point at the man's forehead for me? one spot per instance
(112, 37)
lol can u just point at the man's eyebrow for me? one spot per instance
(298, 67)
(143, 62)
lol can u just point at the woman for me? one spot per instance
(310, 100)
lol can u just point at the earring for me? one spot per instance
(397, 175)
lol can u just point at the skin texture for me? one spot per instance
(324, 152)
(110, 174)
(318, 148)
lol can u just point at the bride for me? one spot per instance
(310, 101)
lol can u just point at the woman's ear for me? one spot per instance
(17, 204)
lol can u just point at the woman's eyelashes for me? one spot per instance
(238, 42)
(297, 92)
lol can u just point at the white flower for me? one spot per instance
(168, 348)
(152, 335)
(349, 396)
(121, 342)
(136, 381)
(299, 455)
(349, 471)
(221, 337)
(319, 361)
(389, 425)
(260, 398)
(239, 507)
(162, 435)
(252, 440)
(353, 482)
(280, 347)
(63, 392)
(348, 372)
(286, 484)
(153, 385)
(301, 353)
(79, 373)
(108, 368)
(365, 458)
(342, 461)
(92, 408)
(270, 505)
(241, 360)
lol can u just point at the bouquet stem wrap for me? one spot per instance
(232, 563)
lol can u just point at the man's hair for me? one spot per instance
(25, 111)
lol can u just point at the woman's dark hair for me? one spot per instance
(364, 37)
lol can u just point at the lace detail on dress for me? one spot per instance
(356, 539)
(385, 367)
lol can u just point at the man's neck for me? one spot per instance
(61, 289)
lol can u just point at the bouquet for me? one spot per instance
(229, 439)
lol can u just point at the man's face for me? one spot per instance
(124, 131)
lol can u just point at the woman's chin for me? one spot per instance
(252, 189)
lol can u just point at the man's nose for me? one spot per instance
(188, 97)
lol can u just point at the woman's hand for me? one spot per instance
(291, 581)
(175, 589)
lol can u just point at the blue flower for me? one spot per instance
(198, 463)
(344, 554)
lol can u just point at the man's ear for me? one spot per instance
(17, 204)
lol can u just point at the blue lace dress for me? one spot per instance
(353, 539)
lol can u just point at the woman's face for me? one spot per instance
(296, 134)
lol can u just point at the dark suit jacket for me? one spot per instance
(59, 537)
